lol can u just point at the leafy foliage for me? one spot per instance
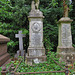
(49, 65)
(0, 70)
(13, 17)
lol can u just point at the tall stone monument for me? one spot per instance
(4, 56)
(65, 49)
(36, 50)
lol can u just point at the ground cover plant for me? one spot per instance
(0, 70)
(49, 65)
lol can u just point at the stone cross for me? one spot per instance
(20, 36)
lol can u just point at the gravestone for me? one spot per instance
(4, 56)
(65, 50)
(20, 36)
(36, 49)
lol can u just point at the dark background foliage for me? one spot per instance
(14, 17)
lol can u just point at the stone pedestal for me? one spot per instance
(4, 56)
(65, 50)
(36, 49)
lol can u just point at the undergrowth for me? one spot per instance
(49, 65)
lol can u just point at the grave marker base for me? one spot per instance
(4, 58)
(66, 54)
(30, 60)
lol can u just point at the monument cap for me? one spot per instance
(65, 19)
(3, 39)
(35, 14)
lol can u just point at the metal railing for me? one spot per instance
(12, 70)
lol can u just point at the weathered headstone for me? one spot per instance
(20, 36)
(36, 49)
(65, 49)
(4, 56)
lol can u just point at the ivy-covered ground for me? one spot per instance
(49, 65)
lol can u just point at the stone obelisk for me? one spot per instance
(36, 50)
(65, 49)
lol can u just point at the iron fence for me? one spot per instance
(12, 70)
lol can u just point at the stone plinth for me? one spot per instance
(36, 49)
(65, 50)
(4, 56)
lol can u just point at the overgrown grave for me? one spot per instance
(51, 66)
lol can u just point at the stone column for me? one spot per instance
(65, 49)
(36, 50)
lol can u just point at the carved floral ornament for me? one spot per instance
(36, 27)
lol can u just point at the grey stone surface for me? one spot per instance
(31, 60)
(17, 55)
(66, 35)
(20, 36)
(65, 49)
(36, 48)
(34, 51)
(36, 61)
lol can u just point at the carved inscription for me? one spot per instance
(36, 39)
(66, 35)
